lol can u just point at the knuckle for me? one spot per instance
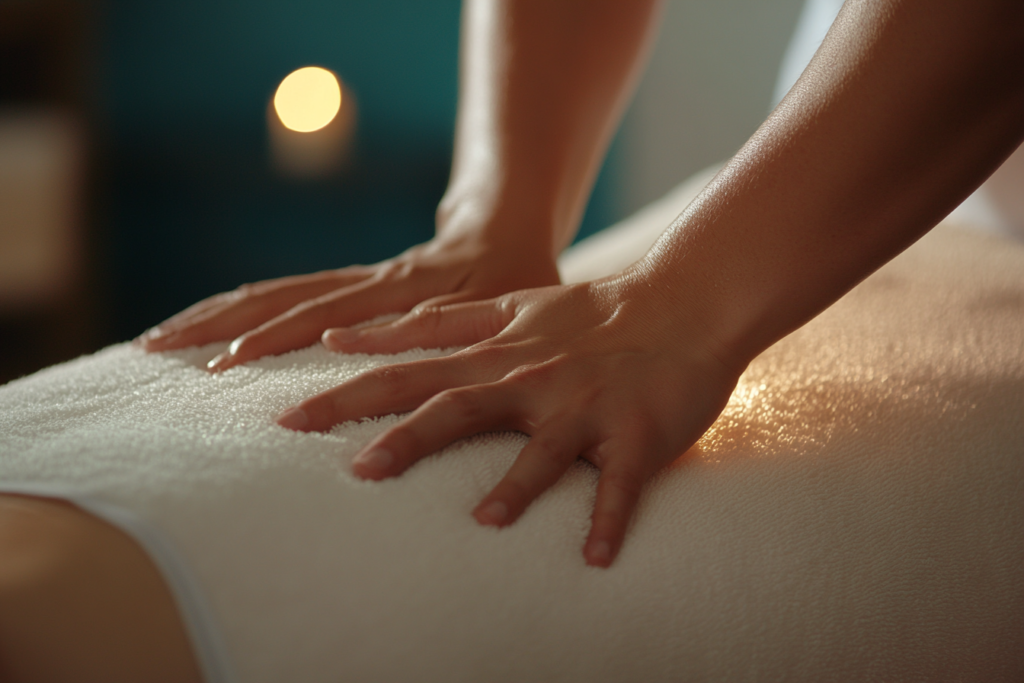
(392, 379)
(533, 375)
(464, 404)
(386, 270)
(404, 440)
(549, 449)
(508, 307)
(390, 271)
(625, 482)
(425, 316)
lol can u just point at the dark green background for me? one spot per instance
(190, 203)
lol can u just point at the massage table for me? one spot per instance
(855, 514)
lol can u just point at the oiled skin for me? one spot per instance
(891, 126)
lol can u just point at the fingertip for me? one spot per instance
(492, 513)
(295, 419)
(336, 338)
(598, 553)
(374, 463)
(327, 339)
(220, 363)
(232, 357)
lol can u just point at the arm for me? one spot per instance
(907, 106)
(543, 86)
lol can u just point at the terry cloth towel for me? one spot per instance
(857, 512)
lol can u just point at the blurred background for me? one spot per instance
(143, 166)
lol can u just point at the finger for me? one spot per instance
(304, 324)
(460, 297)
(618, 491)
(175, 321)
(167, 335)
(383, 391)
(228, 315)
(550, 452)
(218, 323)
(296, 288)
(449, 416)
(427, 328)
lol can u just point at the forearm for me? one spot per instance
(907, 107)
(625, 371)
(542, 88)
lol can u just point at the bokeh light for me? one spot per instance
(308, 99)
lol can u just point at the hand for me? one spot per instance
(281, 315)
(593, 370)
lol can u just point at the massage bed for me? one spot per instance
(855, 514)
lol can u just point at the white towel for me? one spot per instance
(857, 513)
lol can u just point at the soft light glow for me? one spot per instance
(308, 99)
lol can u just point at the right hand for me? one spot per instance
(276, 316)
(613, 371)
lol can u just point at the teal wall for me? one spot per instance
(189, 200)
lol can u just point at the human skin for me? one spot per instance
(80, 601)
(906, 108)
(536, 113)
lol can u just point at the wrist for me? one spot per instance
(511, 264)
(506, 218)
(681, 324)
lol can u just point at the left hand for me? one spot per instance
(285, 314)
(598, 370)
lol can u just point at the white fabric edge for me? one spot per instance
(200, 624)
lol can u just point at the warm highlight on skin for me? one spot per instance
(908, 106)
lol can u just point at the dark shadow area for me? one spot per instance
(177, 196)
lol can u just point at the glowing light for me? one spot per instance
(308, 99)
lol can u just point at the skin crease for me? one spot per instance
(907, 107)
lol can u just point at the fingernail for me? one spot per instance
(376, 459)
(339, 336)
(293, 418)
(494, 513)
(216, 364)
(599, 553)
(235, 345)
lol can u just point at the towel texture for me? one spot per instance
(857, 513)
